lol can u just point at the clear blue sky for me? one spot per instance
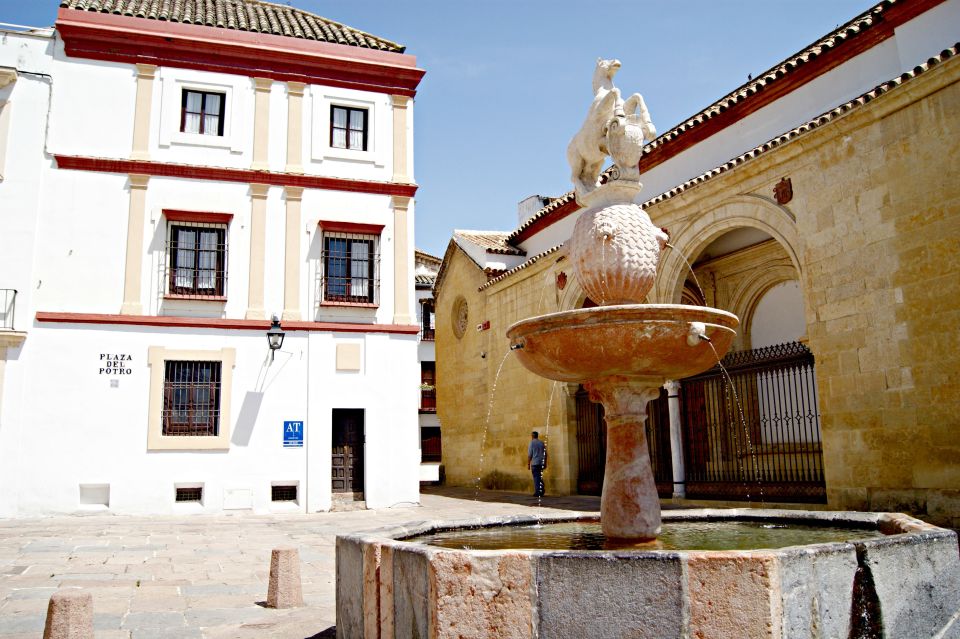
(508, 81)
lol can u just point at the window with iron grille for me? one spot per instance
(192, 493)
(351, 265)
(283, 493)
(191, 398)
(348, 128)
(197, 260)
(202, 112)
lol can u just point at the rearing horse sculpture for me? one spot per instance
(588, 149)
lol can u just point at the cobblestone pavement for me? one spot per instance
(204, 575)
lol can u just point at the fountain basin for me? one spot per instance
(908, 580)
(634, 340)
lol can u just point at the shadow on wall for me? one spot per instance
(247, 418)
(496, 480)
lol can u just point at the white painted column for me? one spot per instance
(676, 439)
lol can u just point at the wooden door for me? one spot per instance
(591, 444)
(346, 464)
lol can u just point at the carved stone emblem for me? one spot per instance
(561, 280)
(460, 316)
(783, 191)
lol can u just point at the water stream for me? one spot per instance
(486, 423)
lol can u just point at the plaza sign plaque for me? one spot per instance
(293, 434)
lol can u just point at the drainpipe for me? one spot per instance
(676, 439)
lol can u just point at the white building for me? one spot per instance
(169, 180)
(425, 275)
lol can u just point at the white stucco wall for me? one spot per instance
(62, 422)
(779, 316)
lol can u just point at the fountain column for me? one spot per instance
(629, 505)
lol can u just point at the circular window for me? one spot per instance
(460, 317)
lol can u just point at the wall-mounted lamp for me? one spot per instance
(275, 337)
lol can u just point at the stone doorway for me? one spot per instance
(346, 464)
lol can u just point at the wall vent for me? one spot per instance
(283, 493)
(192, 493)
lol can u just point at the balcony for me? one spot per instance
(8, 308)
(428, 400)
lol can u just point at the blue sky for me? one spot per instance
(508, 81)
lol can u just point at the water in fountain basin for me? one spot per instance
(677, 535)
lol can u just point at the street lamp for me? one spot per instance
(275, 337)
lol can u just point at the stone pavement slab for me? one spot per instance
(206, 576)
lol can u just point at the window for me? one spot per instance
(191, 398)
(192, 493)
(427, 326)
(283, 493)
(348, 128)
(350, 267)
(190, 392)
(428, 387)
(202, 112)
(196, 258)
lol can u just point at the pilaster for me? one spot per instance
(295, 127)
(261, 123)
(401, 259)
(258, 224)
(291, 259)
(401, 172)
(132, 275)
(141, 116)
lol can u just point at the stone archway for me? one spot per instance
(745, 300)
(737, 212)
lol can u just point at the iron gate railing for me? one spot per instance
(8, 308)
(754, 433)
(592, 444)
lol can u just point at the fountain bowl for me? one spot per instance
(633, 340)
(906, 580)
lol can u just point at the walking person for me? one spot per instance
(537, 462)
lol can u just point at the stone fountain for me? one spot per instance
(880, 575)
(622, 351)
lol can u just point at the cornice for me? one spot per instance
(170, 321)
(221, 174)
(117, 38)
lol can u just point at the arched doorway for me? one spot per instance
(751, 431)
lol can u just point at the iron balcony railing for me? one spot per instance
(8, 308)
(428, 400)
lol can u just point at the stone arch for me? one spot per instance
(740, 211)
(745, 300)
(572, 296)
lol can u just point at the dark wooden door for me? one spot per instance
(591, 444)
(346, 466)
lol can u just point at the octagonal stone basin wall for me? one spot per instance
(392, 589)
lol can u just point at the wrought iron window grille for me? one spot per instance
(191, 399)
(350, 268)
(196, 260)
(8, 308)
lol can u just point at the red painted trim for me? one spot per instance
(221, 174)
(197, 216)
(222, 324)
(336, 226)
(104, 36)
(843, 52)
(546, 221)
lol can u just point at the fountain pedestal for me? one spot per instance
(629, 505)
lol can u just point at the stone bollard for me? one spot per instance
(69, 615)
(284, 590)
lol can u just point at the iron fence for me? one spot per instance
(754, 432)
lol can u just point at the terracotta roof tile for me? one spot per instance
(424, 280)
(242, 15)
(491, 241)
(496, 277)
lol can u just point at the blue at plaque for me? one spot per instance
(293, 434)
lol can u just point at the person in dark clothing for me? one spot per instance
(537, 462)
